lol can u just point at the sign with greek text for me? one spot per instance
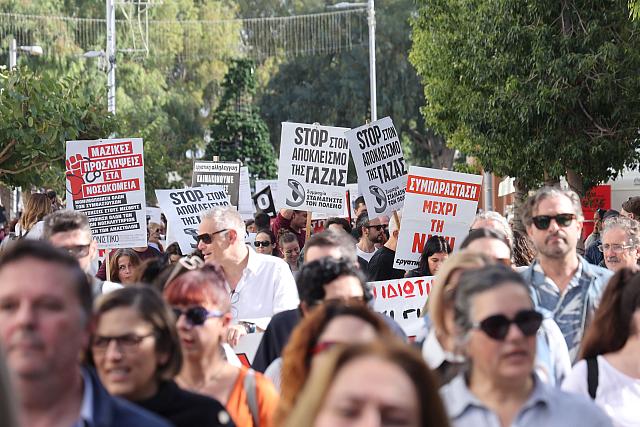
(105, 181)
(224, 174)
(382, 174)
(439, 203)
(312, 172)
(182, 208)
(402, 300)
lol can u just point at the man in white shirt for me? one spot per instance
(259, 285)
(371, 232)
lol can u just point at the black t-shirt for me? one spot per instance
(186, 409)
(275, 338)
(381, 266)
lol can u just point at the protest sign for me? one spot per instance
(245, 204)
(105, 181)
(402, 300)
(312, 171)
(154, 215)
(248, 347)
(439, 203)
(380, 166)
(263, 202)
(182, 208)
(224, 174)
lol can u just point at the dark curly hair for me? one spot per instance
(313, 277)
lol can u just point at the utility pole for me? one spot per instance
(111, 56)
(371, 18)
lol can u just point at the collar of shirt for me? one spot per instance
(252, 266)
(434, 354)
(542, 278)
(459, 398)
(86, 409)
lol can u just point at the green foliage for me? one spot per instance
(39, 113)
(634, 8)
(237, 131)
(533, 90)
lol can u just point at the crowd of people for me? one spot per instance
(537, 328)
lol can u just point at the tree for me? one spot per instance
(237, 131)
(533, 90)
(634, 8)
(40, 113)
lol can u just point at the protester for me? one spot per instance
(631, 208)
(490, 242)
(561, 281)
(436, 250)
(45, 301)
(146, 356)
(493, 221)
(620, 243)
(524, 252)
(143, 254)
(609, 371)
(496, 328)
(381, 263)
(330, 243)
(338, 224)
(326, 279)
(260, 285)
(262, 221)
(202, 306)
(250, 226)
(265, 242)
(370, 233)
(598, 215)
(123, 265)
(324, 327)
(359, 206)
(592, 254)
(154, 229)
(173, 253)
(379, 384)
(290, 249)
(293, 221)
(30, 224)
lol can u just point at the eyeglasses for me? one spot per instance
(196, 316)
(497, 326)
(127, 342)
(207, 238)
(615, 248)
(263, 243)
(542, 222)
(377, 227)
(189, 263)
(77, 251)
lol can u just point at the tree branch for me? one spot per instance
(4, 151)
(26, 168)
(600, 128)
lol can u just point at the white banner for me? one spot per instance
(245, 203)
(313, 166)
(182, 208)
(379, 161)
(402, 300)
(439, 203)
(105, 181)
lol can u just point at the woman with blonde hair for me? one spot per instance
(383, 381)
(30, 225)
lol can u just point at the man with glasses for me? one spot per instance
(371, 232)
(620, 243)
(70, 230)
(259, 285)
(45, 323)
(560, 280)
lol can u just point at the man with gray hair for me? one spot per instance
(620, 243)
(561, 281)
(259, 285)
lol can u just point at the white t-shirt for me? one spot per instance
(266, 287)
(364, 255)
(618, 394)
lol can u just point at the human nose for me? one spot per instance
(369, 417)
(182, 323)
(201, 245)
(25, 315)
(113, 350)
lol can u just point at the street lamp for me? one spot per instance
(371, 19)
(13, 52)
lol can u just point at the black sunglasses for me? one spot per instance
(377, 227)
(497, 326)
(542, 222)
(207, 238)
(196, 316)
(77, 251)
(263, 243)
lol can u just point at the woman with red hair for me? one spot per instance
(201, 304)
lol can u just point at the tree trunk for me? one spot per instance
(575, 182)
(441, 155)
(7, 200)
(550, 181)
(520, 198)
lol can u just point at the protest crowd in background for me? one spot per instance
(207, 315)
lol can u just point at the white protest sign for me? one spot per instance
(313, 166)
(105, 181)
(182, 208)
(439, 203)
(245, 203)
(402, 300)
(248, 347)
(380, 166)
(154, 215)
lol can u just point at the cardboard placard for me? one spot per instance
(437, 202)
(224, 174)
(377, 154)
(263, 202)
(105, 181)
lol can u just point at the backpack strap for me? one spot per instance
(252, 396)
(592, 376)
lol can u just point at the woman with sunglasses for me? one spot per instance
(609, 372)
(265, 242)
(136, 352)
(496, 330)
(123, 266)
(435, 252)
(201, 303)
